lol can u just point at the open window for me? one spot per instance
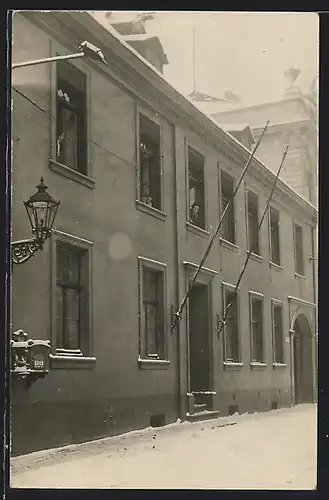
(196, 189)
(150, 162)
(71, 117)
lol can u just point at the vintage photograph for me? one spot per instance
(164, 320)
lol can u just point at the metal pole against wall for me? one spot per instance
(178, 314)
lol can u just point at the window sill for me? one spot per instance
(153, 364)
(277, 267)
(66, 362)
(231, 365)
(279, 365)
(143, 207)
(301, 276)
(256, 257)
(255, 365)
(229, 245)
(197, 230)
(74, 175)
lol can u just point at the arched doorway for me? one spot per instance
(303, 360)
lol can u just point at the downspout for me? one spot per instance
(177, 331)
(314, 258)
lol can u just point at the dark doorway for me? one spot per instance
(303, 361)
(199, 338)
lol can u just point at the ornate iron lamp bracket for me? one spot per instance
(23, 250)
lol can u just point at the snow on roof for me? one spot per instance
(147, 38)
(235, 127)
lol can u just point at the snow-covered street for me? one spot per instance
(272, 450)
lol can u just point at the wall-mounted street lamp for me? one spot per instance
(86, 49)
(41, 210)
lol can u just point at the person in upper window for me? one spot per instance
(194, 212)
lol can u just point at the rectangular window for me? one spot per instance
(69, 288)
(277, 331)
(231, 328)
(150, 162)
(253, 232)
(257, 334)
(152, 314)
(275, 236)
(298, 243)
(226, 190)
(196, 187)
(71, 117)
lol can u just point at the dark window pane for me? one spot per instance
(299, 261)
(257, 330)
(71, 318)
(253, 233)
(150, 286)
(196, 189)
(67, 140)
(278, 334)
(228, 225)
(71, 143)
(275, 236)
(231, 328)
(151, 327)
(59, 317)
(150, 162)
(153, 311)
(68, 298)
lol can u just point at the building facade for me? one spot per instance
(143, 176)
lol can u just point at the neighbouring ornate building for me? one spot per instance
(143, 177)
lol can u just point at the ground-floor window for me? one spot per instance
(152, 290)
(231, 326)
(257, 328)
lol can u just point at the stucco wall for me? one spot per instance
(73, 405)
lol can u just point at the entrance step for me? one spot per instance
(199, 407)
(202, 415)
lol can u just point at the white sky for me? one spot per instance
(246, 53)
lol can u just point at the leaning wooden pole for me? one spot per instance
(250, 251)
(178, 313)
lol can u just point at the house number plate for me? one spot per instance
(39, 362)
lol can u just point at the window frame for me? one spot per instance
(144, 359)
(82, 357)
(253, 295)
(277, 303)
(222, 171)
(299, 272)
(278, 264)
(86, 179)
(228, 287)
(254, 193)
(160, 213)
(189, 147)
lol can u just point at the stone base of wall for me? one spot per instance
(45, 425)
(252, 401)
